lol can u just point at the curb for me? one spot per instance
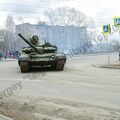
(4, 118)
(7, 60)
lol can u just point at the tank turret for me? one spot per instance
(31, 43)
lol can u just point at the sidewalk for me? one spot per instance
(4, 118)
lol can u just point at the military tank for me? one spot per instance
(36, 55)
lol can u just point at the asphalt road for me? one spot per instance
(80, 81)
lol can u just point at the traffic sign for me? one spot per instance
(106, 29)
(1, 38)
(117, 21)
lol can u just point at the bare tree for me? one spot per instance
(7, 44)
(67, 16)
(20, 20)
(115, 44)
(10, 25)
(9, 35)
(41, 22)
(89, 22)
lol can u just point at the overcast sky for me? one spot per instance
(102, 11)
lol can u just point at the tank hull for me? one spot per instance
(57, 62)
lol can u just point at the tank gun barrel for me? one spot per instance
(29, 43)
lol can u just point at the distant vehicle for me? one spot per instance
(36, 55)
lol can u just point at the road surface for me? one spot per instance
(79, 82)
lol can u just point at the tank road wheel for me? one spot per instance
(60, 65)
(24, 67)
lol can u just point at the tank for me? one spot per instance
(36, 55)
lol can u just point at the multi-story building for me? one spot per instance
(65, 37)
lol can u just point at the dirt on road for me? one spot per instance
(44, 108)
